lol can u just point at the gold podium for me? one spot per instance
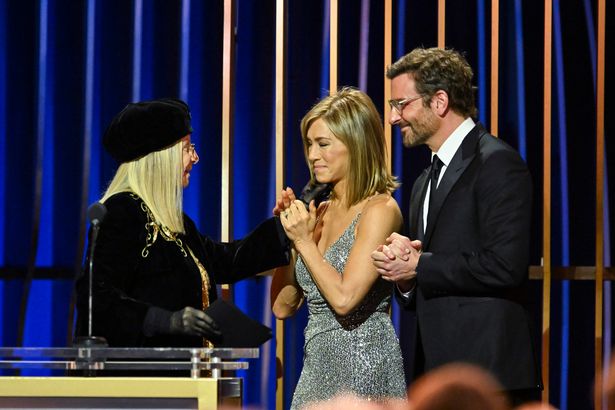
(94, 391)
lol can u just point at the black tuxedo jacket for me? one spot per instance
(472, 274)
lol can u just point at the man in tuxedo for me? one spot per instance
(464, 268)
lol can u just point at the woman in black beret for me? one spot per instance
(154, 273)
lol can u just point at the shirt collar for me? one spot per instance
(452, 143)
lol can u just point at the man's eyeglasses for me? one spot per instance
(399, 104)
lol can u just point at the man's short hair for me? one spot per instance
(435, 69)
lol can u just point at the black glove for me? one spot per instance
(193, 322)
(317, 192)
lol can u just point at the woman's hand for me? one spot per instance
(193, 322)
(298, 223)
(283, 202)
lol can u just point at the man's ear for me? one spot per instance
(440, 102)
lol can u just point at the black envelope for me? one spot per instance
(238, 329)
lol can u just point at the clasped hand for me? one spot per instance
(396, 261)
(286, 198)
(298, 222)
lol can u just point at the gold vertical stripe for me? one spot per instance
(388, 51)
(280, 87)
(228, 71)
(228, 51)
(599, 195)
(333, 46)
(546, 208)
(441, 23)
(495, 40)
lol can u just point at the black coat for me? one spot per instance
(472, 275)
(127, 284)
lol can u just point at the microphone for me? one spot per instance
(96, 214)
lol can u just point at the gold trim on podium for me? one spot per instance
(204, 390)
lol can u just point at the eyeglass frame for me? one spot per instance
(399, 104)
(191, 150)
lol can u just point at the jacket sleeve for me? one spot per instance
(266, 247)
(116, 316)
(502, 195)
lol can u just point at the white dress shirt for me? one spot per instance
(446, 153)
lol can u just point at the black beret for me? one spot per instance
(146, 126)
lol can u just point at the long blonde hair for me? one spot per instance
(157, 179)
(352, 117)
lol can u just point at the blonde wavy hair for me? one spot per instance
(157, 179)
(352, 117)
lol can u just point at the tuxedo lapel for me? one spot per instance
(462, 158)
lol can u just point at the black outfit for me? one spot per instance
(472, 274)
(132, 279)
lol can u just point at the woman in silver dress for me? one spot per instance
(350, 344)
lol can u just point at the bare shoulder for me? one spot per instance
(381, 210)
(381, 204)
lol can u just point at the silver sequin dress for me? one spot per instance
(358, 353)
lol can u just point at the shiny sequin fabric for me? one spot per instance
(357, 354)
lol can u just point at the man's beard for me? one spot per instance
(420, 129)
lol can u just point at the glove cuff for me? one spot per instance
(157, 321)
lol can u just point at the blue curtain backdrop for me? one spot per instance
(66, 67)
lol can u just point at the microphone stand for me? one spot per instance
(89, 340)
(89, 360)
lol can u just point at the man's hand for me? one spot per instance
(397, 260)
(403, 245)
